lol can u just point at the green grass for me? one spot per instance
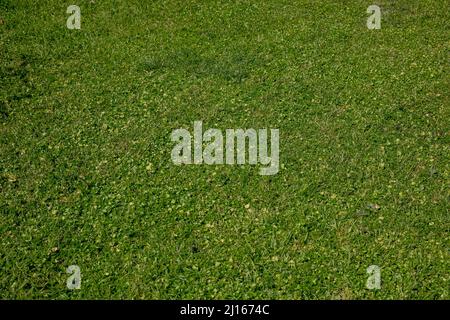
(86, 176)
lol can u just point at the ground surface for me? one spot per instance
(86, 176)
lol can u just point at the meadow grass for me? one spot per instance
(86, 176)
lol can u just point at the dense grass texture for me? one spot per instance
(86, 176)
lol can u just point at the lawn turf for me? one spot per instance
(86, 176)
